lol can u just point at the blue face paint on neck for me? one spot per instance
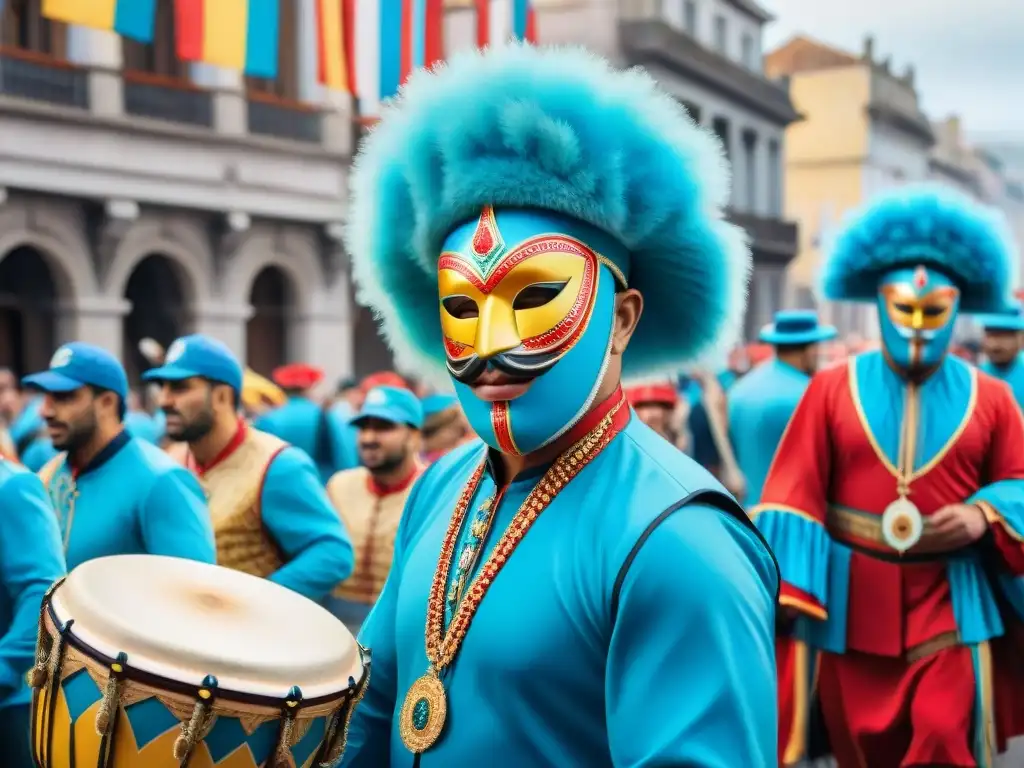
(917, 308)
(527, 300)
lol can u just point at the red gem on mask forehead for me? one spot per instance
(483, 238)
(920, 277)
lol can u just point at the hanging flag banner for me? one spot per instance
(236, 34)
(332, 66)
(261, 39)
(130, 18)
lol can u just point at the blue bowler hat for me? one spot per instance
(198, 356)
(1011, 320)
(394, 404)
(796, 327)
(78, 365)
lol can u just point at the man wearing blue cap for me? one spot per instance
(370, 498)
(761, 403)
(31, 559)
(271, 515)
(113, 494)
(1002, 347)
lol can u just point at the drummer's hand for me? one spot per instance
(957, 525)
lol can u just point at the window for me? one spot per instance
(693, 110)
(720, 34)
(774, 180)
(720, 126)
(22, 26)
(750, 171)
(286, 84)
(749, 53)
(690, 16)
(159, 57)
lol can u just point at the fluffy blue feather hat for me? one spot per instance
(556, 129)
(928, 225)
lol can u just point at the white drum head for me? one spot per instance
(184, 620)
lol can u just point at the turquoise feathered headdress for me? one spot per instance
(557, 129)
(934, 226)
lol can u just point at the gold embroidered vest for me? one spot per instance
(372, 522)
(233, 487)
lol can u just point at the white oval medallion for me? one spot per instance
(902, 525)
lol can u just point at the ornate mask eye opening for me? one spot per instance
(461, 307)
(538, 295)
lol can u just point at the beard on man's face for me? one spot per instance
(72, 435)
(378, 460)
(186, 431)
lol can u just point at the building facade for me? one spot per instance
(144, 197)
(141, 196)
(707, 53)
(863, 133)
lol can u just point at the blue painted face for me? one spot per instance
(527, 311)
(917, 309)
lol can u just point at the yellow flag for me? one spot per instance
(98, 14)
(332, 38)
(225, 24)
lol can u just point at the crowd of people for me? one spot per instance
(540, 572)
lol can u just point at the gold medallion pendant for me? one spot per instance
(902, 524)
(423, 713)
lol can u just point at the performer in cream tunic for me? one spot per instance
(271, 515)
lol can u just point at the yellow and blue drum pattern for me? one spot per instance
(65, 733)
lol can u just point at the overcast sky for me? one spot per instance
(969, 56)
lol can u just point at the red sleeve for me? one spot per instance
(1005, 462)
(798, 478)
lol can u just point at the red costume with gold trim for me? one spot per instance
(905, 671)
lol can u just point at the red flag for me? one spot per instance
(188, 25)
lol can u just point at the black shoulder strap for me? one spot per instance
(712, 498)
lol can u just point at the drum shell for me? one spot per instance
(151, 711)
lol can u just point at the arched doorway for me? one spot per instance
(160, 300)
(272, 297)
(28, 302)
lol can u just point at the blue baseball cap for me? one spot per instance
(78, 365)
(198, 356)
(394, 404)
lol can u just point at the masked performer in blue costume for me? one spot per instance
(761, 402)
(587, 594)
(895, 505)
(1004, 334)
(31, 559)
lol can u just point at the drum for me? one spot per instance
(158, 662)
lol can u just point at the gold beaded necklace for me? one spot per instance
(425, 709)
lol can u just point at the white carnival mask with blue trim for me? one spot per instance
(917, 309)
(527, 312)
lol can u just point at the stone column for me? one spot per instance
(94, 319)
(323, 335)
(226, 322)
(230, 108)
(101, 53)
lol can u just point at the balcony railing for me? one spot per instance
(772, 240)
(283, 119)
(30, 75)
(166, 98)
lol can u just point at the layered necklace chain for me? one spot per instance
(425, 708)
